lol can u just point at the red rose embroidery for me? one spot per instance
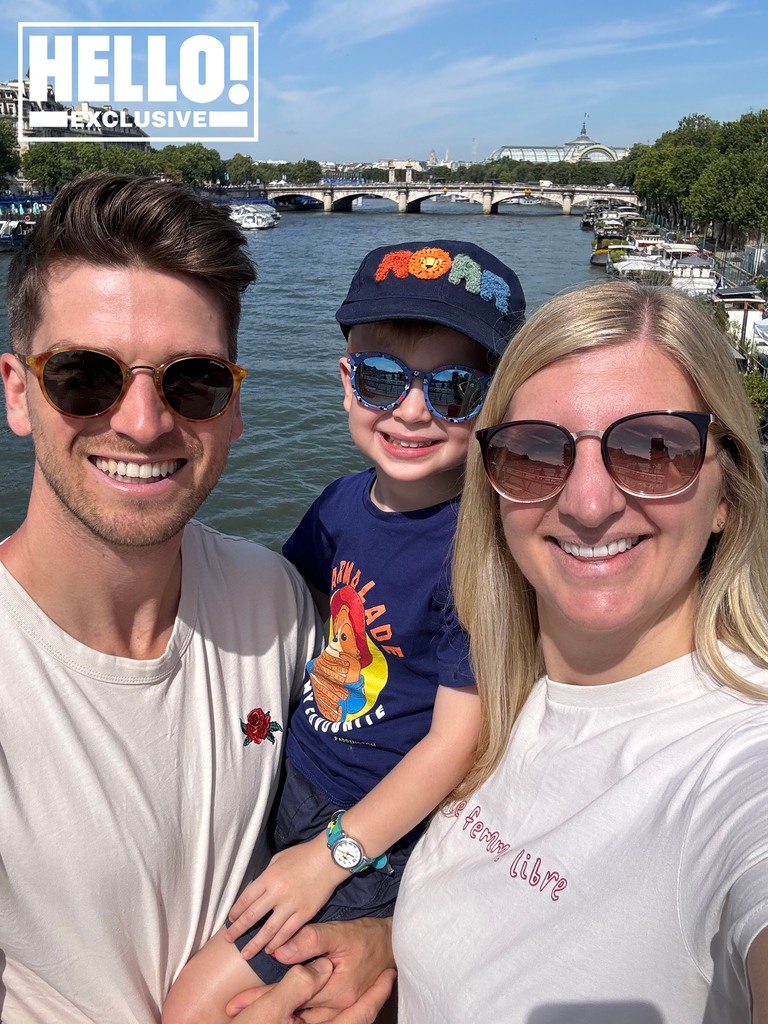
(258, 727)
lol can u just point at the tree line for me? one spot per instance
(49, 165)
(703, 174)
(706, 174)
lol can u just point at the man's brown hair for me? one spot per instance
(121, 220)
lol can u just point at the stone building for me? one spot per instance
(98, 124)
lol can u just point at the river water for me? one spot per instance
(295, 439)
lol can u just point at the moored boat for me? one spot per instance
(695, 275)
(600, 244)
(254, 217)
(18, 215)
(745, 307)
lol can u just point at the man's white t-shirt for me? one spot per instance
(614, 870)
(132, 802)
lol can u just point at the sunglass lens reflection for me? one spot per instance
(654, 454)
(198, 389)
(455, 393)
(82, 383)
(529, 461)
(452, 393)
(379, 381)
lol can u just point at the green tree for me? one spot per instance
(240, 169)
(9, 154)
(731, 192)
(193, 163)
(708, 199)
(42, 166)
(665, 175)
(756, 386)
(122, 159)
(750, 132)
(304, 172)
(626, 169)
(695, 130)
(78, 158)
(710, 172)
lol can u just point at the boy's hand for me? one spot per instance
(293, 887)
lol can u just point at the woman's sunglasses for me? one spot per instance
(647, 455)
(380, 381)
(83, 382)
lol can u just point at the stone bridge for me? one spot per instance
(338, 198)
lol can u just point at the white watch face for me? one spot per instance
(347, 853)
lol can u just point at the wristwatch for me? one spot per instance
(347, 852)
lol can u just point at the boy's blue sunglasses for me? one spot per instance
(381, 381)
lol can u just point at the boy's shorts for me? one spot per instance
(303, 812)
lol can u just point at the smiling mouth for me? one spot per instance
(616, 547)
(138, 472)
(399, 442)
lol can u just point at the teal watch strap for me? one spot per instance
(335, 833)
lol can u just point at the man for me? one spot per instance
(147, 662)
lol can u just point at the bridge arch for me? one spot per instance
(410, 196)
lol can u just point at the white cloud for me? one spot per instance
(230, 10)
(44, 10)
(342, 23)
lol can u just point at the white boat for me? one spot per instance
(745, 307)
(252, 217)
(760, 342)
(646, 241)
(694, 275)
(648, 269)
(12, 231)
(618, 252)
(678, 250)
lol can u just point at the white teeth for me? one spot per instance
(137, 470)
(601, 551)
(409, 444)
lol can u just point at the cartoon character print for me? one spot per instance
(336, 674)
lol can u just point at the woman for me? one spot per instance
(607, 860)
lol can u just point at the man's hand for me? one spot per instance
(282, 1003)
(360, 952)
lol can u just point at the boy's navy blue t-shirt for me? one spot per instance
(392, 637)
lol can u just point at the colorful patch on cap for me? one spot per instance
(430, 264)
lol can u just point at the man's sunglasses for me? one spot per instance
(83, 382)
(381, 381)
(647, 455)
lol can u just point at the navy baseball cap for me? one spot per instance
(456, 284)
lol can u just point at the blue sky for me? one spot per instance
(363, 80)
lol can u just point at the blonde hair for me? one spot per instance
(496, 604)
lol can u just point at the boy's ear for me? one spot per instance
(346, 380)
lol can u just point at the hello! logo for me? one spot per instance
(176, 81)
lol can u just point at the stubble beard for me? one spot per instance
(140, 523)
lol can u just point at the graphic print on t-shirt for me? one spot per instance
(351, 671)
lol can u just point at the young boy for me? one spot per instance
(389, 719)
